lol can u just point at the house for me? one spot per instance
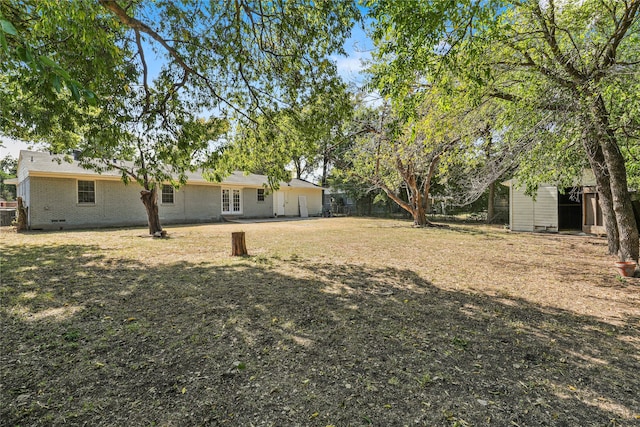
(573, 208)
(60, 194)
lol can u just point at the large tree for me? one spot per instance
(402, 149)
(149, 149)
(171, 67)
(535, 53)
(302, 140)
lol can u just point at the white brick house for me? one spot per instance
(64, 195)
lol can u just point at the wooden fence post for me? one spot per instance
(238, 246)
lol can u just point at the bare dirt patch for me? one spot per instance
(337, 321)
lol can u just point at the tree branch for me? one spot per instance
(140, 26)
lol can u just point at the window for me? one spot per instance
(86, 192)
(261, 194)
(231, 201)
(236, 200)
(167, 194)
(225, 200)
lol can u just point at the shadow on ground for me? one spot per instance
(264, 341)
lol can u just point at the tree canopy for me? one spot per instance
(560, 61)
(161, 81)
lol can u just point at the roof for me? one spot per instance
(588, 179)
(37, 163)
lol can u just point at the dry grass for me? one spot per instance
(337, 321)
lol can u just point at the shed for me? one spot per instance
(572, 208)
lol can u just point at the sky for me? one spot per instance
(358, 47)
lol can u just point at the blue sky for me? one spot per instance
(357, 47)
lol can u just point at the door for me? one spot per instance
(278, 200)
(302, 202)
(231, 201)
(570, 209)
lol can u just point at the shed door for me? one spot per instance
(570, 210)
(545, 209)
(302, 202)
(279, 203)
(592, 211)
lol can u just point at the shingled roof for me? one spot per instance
(36, 163)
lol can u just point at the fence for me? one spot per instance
(7, 216)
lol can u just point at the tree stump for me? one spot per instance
(238, 246)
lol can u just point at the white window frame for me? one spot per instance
(231, 206)
(264, 195)
(78, 192)
(173, 194)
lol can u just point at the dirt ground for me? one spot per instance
(327, 322)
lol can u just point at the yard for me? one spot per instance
(336, 321)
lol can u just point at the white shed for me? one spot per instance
(574, 208)
(527, 214)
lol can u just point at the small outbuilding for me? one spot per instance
(554, 209)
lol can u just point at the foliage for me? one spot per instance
(244, 56)
(167, 76)
(555, 61)
(402, 151)
(303, 138)
(261, 146)
(546, 59)
(57, 59)
(8, 169)
(172, 52)
(18, 46)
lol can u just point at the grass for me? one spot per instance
(337, 321)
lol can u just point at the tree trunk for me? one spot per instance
(414, 206)
(625, 219)
(150, 201)
(492, 187)
(420, 216)
(238, 245)
(22, 221)
(490, 204)
(603, 186)
(325, 170)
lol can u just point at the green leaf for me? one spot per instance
(74, 90)
(91, 97)
(56, 83)
(62, 73)
(22, 53)
(8, 28)
(45, 60)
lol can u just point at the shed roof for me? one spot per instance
(37, 163)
